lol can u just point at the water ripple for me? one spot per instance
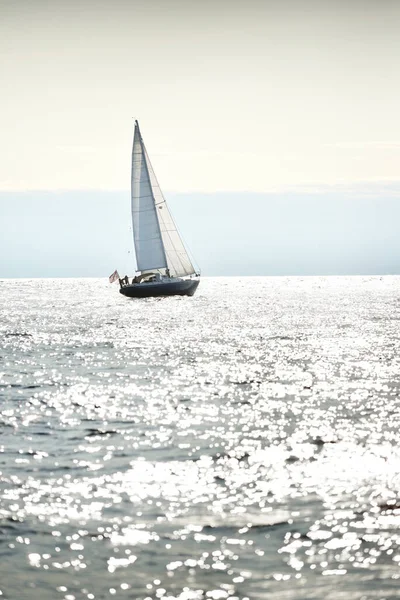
(243, 443)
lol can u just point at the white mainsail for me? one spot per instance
(149, 247)
(158, 244)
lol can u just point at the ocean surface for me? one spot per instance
(240, 444)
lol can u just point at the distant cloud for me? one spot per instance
(388, 145)
(368, 187)
(372, 187)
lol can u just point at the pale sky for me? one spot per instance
(231, 95)
(273, 127)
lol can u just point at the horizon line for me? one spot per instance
(105, 277)
(363, 186)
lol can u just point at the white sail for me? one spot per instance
(149, 247)
(157, 242)
(179, 263)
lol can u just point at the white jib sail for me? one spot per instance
(179, 263)
(149, 247)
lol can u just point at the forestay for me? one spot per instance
(179, 263)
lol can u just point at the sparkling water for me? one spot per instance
(243, 443)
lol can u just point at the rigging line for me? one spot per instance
(148, 162)
(142, 210)
(171, 260)
(143, 239)
(168, 231)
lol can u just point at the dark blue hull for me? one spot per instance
(181, 287)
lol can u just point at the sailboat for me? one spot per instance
(164, 265)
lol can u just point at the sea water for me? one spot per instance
(240, 444)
